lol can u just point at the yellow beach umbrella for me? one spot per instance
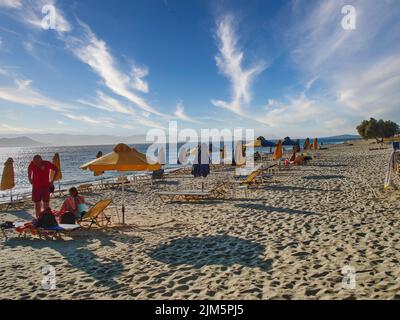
(278, 152)
(307, 145)
(58, 177)
(8, 177)
(122, 158)
(57, 163)
(315, 144)
(254, 144)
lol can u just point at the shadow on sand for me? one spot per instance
(21, 214)
(289, 188)
(262, 207)
(325, 177)
(212, 250)
(79, 256)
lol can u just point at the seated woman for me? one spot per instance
(73, 203)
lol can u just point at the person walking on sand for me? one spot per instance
(39, 177)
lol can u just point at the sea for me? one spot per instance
(72, 157)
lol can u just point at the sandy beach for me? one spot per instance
(288, 239)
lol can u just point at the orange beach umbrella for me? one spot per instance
(315, 144)
(8, 177)
(122, 158)
(278, 152)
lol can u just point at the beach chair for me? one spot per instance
(96, 216)
(27, 228)
(88, 188)
(253, 179)
(191, 195)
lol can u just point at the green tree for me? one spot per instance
(374, 129)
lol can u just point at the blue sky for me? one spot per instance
(124, 67)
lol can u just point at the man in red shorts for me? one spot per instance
(39, 177)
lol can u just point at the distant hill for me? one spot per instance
(19, 142)
(343, 137)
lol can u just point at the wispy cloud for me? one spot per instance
(91, 120)
(22, 92)
(94, 52)
(181, 115)
(16, 4)
(8, 129)
(230, 63)
(30, 13)
(107, 103)
(361, 67)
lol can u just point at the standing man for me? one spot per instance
(39, 177)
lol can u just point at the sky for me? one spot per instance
(124, 67)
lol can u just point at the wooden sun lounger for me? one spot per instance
(88, 187)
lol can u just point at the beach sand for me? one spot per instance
(291, 238)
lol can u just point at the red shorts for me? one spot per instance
(41, 194)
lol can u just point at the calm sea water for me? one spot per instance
(72, 157)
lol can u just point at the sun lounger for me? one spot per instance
(96, 216)
(190, 195)
(254, 178)
(86, 188)
(26, 228)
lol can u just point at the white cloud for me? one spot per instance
(137, 79)
(372, 91)
(181, 115)
(30, 13)
(11, 3)
(8, 129)
(230, 63)
(91, 120)
(95, 53)
(23, 93)
(105, 102)
(359, 67)
(296, 111)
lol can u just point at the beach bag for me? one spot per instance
(46, 220)
(68, 218)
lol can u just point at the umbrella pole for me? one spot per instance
(123, 200)
(11, 195)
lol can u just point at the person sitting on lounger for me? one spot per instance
(74, 203)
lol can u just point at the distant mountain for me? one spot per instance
(60, 139)
(343, 137)
(19, 142)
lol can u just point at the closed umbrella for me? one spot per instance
(201, 165)
(8, 177)
(161, 156)
(238, 155)
(122, 159)
(315, 144)
(307, 144)
(58, 177)
(183, 156)
(278, 152)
